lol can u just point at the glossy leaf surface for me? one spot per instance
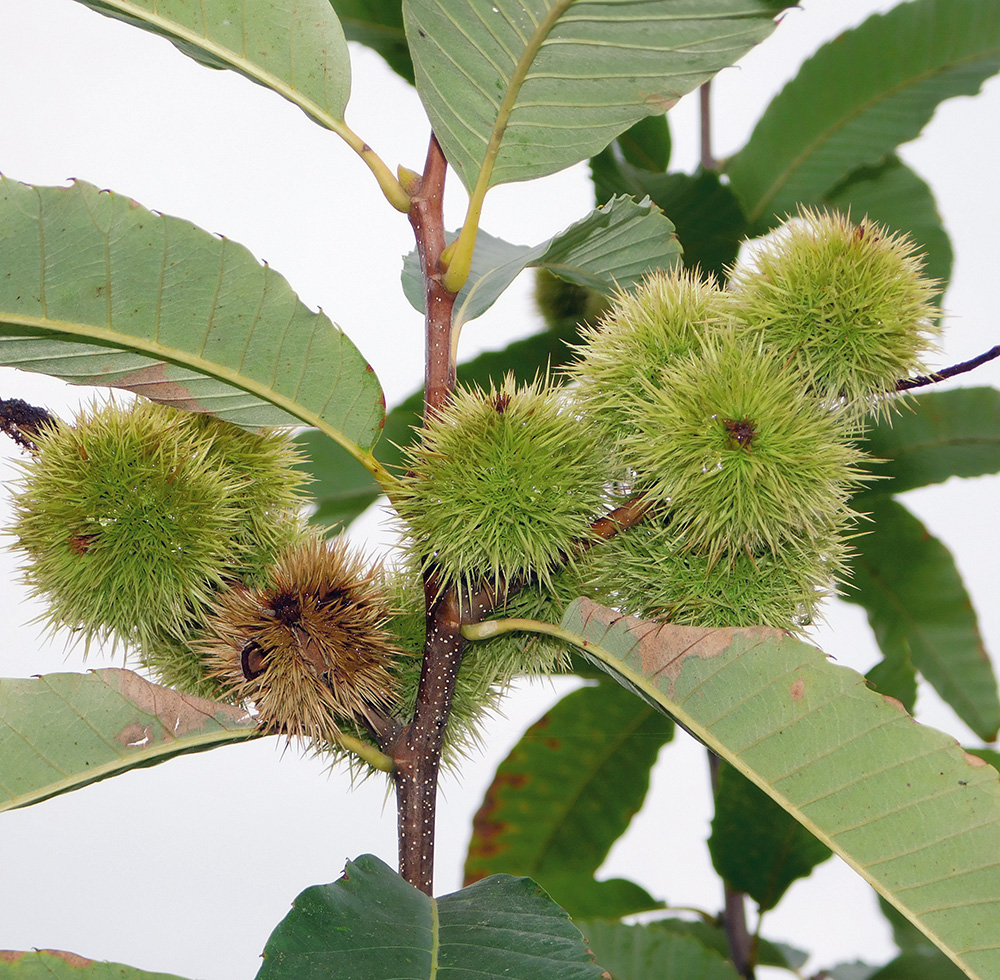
(372, 924)
(813, 737)
(862, 95)
(648, 953)
(517, 89)
(378, 24)
(295, 47)
(917, 605)
(567, 791)
(63, 731)
(99, 291)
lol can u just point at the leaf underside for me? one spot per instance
(517, 89)
(64, 731)
(294, 47)
(55, 964)
(99, 291)
(817, 740)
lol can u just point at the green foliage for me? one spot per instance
(565, 793)
(497, 928)
(847, 303)
(132, 518)
(501, 486)
(722, 407)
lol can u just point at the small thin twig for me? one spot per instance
(708, 162)
(950, 372)
(734, 917)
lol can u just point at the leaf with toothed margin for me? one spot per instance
(902, 804)
(97, 290)
(296, 48)
(61, 732)
(612, 248)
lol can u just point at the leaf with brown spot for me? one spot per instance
(899, 802)
(567, 791)
(63, 731)
(184, 317)
(55, 964)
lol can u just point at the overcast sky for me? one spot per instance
(187, 867)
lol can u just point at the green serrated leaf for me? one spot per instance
(371, 924)
(378, 24)
(893, 195)
(896, 677)
(648, 953)
(294, 47)
(708, 218)
(612, 248)
(343, 489)
(756, 846)
(99, 291)
(833, 118)
(814, 738)
(907, 583)
(53, 964)
(948, 433)
(645, 144)
(63, 731)
(579, 73)
(568, 791)
(924, 964)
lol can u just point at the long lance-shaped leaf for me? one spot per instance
(517, 89)
(565, 794)
(296, 48)
(948, 433)
(862, 95)
(612, 248)
(372, 924)
(917, 604)
(342, 489)
(902, 804)
(55, 964)
(96, 290)
(63, 731)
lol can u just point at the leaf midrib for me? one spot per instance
(239, 63)
(796, 163)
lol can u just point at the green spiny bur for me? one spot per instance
(500, 486)
(132, 518)
(744, 458)
(847, 304)
(643, 333)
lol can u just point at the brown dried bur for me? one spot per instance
(311, 651)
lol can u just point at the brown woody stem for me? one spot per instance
(417, 753)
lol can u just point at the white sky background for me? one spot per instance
(186, 868)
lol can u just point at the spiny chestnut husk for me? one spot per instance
(643, 332)
(312, 649)
(500, 486)
(739, 452)
(134, 516)
(645, 571)
(848, 304)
